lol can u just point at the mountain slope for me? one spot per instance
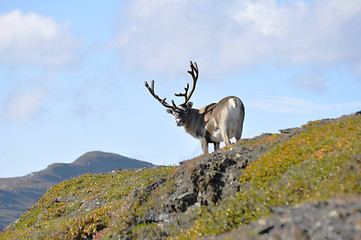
(17, 194)
(217, 193)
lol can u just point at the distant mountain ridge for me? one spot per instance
(19, 193)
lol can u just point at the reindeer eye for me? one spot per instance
(186, 110)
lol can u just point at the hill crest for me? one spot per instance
(19, 193)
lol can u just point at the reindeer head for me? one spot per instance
(180, 112)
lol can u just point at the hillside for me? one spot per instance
(19, 193)
(306, 178)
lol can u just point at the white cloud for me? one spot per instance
(36, 39)
(229, 35)
(36, 47)
(22, 106)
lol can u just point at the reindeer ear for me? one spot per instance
(189, 105)
(169, 111)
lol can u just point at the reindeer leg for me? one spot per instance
(204, 144)
(226, 139)
(238, 134)
(216, 146)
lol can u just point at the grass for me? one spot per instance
(322, 160)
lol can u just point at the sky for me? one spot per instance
(72, 73)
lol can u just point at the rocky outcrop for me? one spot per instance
(207, 180)
(338, 218)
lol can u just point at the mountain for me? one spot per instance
(19, 193)
(303, 183)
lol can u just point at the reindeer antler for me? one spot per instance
(194, 74)
(162, 101)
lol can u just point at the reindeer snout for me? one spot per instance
(179, 122)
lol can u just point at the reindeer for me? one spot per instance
(214, 123)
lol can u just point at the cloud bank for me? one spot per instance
(32, 41)
(231, 35)
(35, 39)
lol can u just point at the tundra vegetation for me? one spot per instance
(320, 160)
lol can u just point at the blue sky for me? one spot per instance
(72, 72)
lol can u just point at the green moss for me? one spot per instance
(147, 231)
(28, 219)
(84, 206)
(321, 162)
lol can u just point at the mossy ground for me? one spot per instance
(85, 207)
(322, 160)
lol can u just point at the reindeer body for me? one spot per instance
(214, 123)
